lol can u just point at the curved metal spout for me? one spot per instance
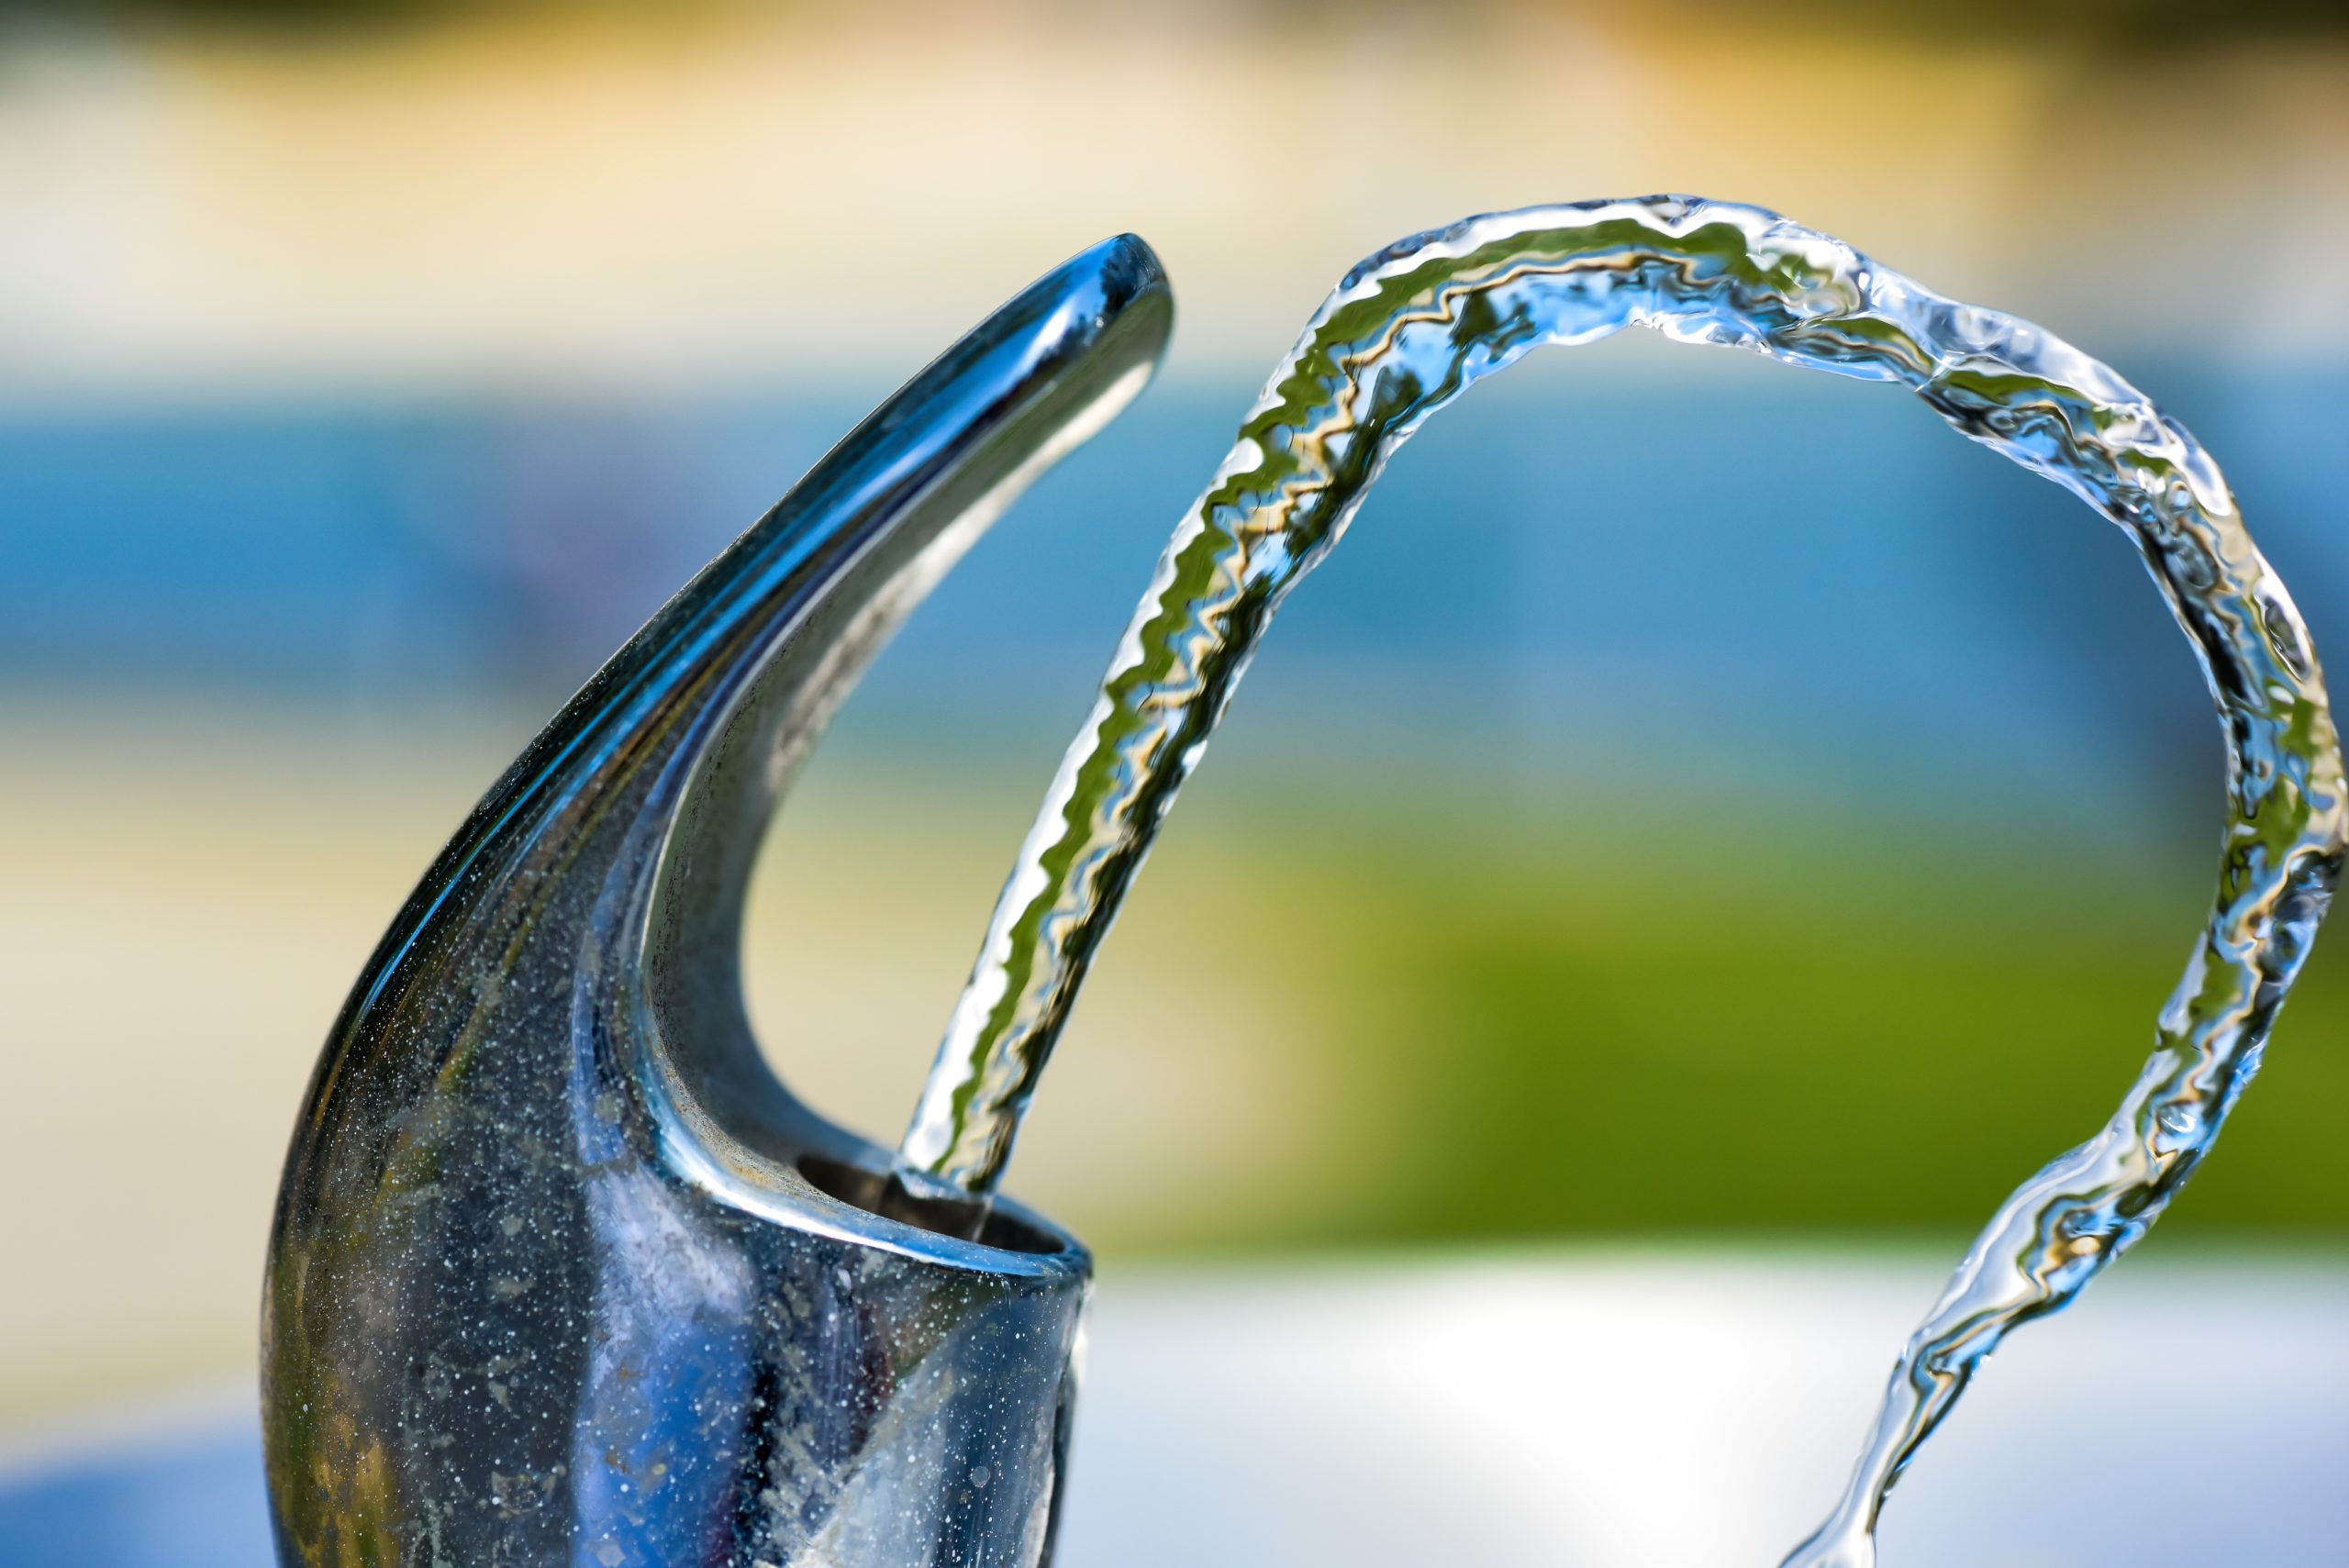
(561, 1273)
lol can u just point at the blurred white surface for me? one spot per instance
(1669, 1409)
(1629, 1411)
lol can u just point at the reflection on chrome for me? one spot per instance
(561, 1273)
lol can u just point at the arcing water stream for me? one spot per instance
(1406, 332)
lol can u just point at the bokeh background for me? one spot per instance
(1700, 803)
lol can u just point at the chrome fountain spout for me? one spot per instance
(561, 1273)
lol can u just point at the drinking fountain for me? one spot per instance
(560, 1273)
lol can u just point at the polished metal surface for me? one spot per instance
(561, 1273)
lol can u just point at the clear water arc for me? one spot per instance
(1408, 331)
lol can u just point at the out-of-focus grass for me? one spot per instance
(1344, 1008)
(1603, 1020)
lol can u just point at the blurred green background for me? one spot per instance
(1698, 801)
